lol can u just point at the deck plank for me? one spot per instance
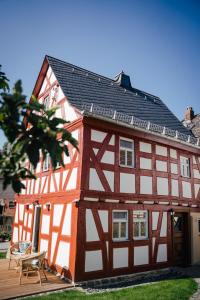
(10, 288)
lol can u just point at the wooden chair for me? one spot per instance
(14, 254)
(33, 263)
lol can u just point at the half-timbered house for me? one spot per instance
(129, 200)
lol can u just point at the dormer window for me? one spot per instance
(46, 102)
(126, 153)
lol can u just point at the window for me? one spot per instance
(199, 226)
(46, 163)
(126, 153)
(120, 225)
(11, 204)
(185, 166)
(46, 102)
(140, 224)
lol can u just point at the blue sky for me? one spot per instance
(156, 42)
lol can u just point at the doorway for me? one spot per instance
(181, 242)
(36, 228)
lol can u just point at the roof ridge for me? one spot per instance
(134, 90)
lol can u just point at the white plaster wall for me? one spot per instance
(38, 168)
(163, 230)
(127, 183)
(30, 220)
(57, 179)
(70, 114)
(145, 147)
(45, 224)
(93, 261)
(103, 214)
(63, 253)
(162, 186)
(15, 234)
(110, 178)
(53, 243)
(120, 258)
(155, 216)
(20, 232)
(196, 189)
(196, 174)
(173, 153)
(97, 136)
(145, 163)
(25, 218)
(44, 245)
(94, 181)
(57, 213)
(162, 253)
(66, 159)
(52, 187)
(72, 180)
(91, 230)
(21, 212)
(64, 177)
(145, 185)
(43, 183)
(37, 182)
(28, 236)
(16, 213)
(174, 168)
(108, 157)
(161, 165)
(174, 188)
(66, 230)
(141, 255)
(186, 187)
(160, 150)
(112, 140)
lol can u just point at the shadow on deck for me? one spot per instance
(10, 288)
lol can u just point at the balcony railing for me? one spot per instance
(92, 109)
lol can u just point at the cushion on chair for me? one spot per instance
(23, 246)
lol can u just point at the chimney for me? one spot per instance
(189, 114)
(123, 80)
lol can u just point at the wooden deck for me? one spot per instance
(10, 288)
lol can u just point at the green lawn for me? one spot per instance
(165, 290)
(2, 255)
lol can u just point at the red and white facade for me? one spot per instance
(78, 202)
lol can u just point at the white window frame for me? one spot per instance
(126, 149)
(120, 220)
(46, 163)
(46, 102)
(141, 237)
(185, 166)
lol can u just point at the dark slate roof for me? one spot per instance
(85, 87)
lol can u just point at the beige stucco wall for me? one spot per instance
(195, 238)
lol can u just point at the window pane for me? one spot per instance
(120, 215)
(126, 144)
(143, 228)
(139, 214)
(115, 230)
(122, 157)
(129, 158)
(123, 229)
(136, 229)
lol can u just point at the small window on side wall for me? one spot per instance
(46, 102)
(185, 166)
(120, 225)
(126, 153)
(140, 224)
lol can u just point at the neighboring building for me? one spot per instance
(7, 208)
(192, 121)
(129, 200)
